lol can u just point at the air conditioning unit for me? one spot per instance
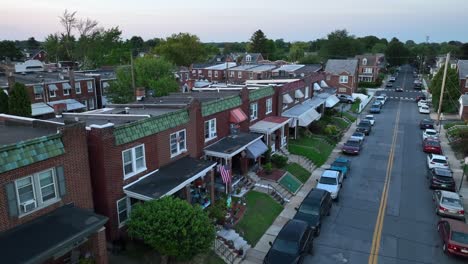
(28, 205)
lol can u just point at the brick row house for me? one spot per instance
(46, 200)
(369, 67)
(210, 72)
(342, 75)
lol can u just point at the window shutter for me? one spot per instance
(61, 181)
(12, 201)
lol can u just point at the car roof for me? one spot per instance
(442, 171)
(450, 194)
(342, 159)
(427, 120)
(316, 193)
(457, 226)
(356, 132)
(430, 130)
(293, 230)
(370, 116)
(331, 173)
(435, 156)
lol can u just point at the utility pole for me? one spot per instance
(133, 74)
(443, 88)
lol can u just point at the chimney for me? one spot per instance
(58, 109)
(140, 93)
(11, 82)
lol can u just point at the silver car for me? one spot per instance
(449, 204)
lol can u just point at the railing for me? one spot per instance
(222, 250)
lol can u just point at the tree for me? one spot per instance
(121, 91)
(8, 50)
(183, 49)
(311, 59)
(396, 53)
(69, 22)
(296, 52)
(379, 48)
(136, 43)
(86, 26)
(464, 51)
(172, 227)
(32, 43)
(258, 43)
(369, 42)
(19, 103)
(4, 109)
(340, 45)
(452, 90)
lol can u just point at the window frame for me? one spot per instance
(251, 75)
(268, 105)
(239, 75)
(216, 74)
(306, 92)
(466, 82)
(52, 94)
(232, 74)
(212, 131)
(66, 92)
(343, 77)
(91, 104)
(133, 161)
(125, 199)
(253, 110)
(37, 96)
(364, 61)
(179, 150)
(368, 70)
(89, 84)
(78, 87)
(210, 74)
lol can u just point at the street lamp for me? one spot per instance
(463, 175)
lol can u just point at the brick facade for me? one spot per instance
(342, 88)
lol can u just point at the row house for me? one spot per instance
(342, 74)
(295, 70)
(46, 200)
(439, 62)
(211, 73)
(103, 79)
(462, 67)
(246, 58)
(242, 73)
(55, 92)
(369, 67)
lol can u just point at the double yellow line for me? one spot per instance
(374, 254)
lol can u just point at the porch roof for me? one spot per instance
(231, 145)
(304, 113)
(168, 179)
(42, 238)
(269, 125)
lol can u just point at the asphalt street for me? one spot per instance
(408, 226)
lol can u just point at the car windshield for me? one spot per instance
(369, 118)
(327, 180)
(439, 161)
(339, 164)
(358, 134)
(432, 133)
(286, 246)
(451, 202)
(352, 143)
(432, 143)
(309, 209)
(460, 237)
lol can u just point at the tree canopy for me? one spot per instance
(340, 45)
(258, 43)
(182, 49)
(19, 103)
(4, 109)
(452, 90)
(8, 50)
(172, 227)
(396, 53)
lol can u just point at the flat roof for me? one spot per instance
(46, 77)
(12, 133)
(274, 81)
(289, 67)
(221, 66)
(265, 67)
(243, 67)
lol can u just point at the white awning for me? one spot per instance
(71, 104)
(302, 113)
(53, 87)
(323, 83)
(269, 124)
(256, 149)
(317, 87)
(287, 99)
(105, 85)
(66, 86)
(298, 94)
(331, 101)
(38, 109)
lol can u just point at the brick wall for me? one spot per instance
(334, 81)
(76, 171)
(463, 88)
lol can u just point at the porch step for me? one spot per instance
(303, 161)
(276, 191)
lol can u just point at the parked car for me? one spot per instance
(426, 123)
(359, 136)
(314, 208)
(422, 102)
(364, 126)
(375, 108)
(420, 97)
(332, 181)
(389, 84)
(432, 145)
(291, 245)
(449, 204)
(454, 235)
(441, 179)
(399, 89)
(424, 109)
(430, 133)
(341, 164)
(371, 119)
(381, 99)
(392, 79)
(352, 146)
(437, 161)
(345, 98)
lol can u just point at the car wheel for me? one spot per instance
(317, 231)
(444, 248)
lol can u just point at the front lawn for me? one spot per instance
(298, 171)
(355, 106)
(261, 211)
(312, 148)
(349, 116)
(340, 123)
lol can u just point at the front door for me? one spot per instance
(273, 142)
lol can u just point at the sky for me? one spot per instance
(219, 21)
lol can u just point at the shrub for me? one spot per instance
(268, 155)
(218, 211)
(268, 167)
(279, 161)
(331, 130)
(363, 91)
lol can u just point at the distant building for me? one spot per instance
(369, 67)
(342, 74)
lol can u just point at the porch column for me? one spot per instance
(229, 166)
(212, 189)
(188, 195)
(99, 246)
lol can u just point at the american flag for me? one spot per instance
(225, 173)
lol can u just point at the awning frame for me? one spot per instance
(52, 87)
(270, 131)
(287, 99)
(230, 155)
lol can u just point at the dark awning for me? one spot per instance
(40, 239)
(168, 179)
(231, 145)
(256, 149)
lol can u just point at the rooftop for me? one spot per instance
(289, 67)
(221, 66)
(244, 67)
(40, 77)
(340, 66)
(265, 67)
(462, 69)
(13, 132)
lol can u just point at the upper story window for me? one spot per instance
(364, 61)
(36, 191)
(306, 95)
(177, 142)
(367, 70)
(210, 73)
(200, 72)
(52, 93)
(133, 161)
(78, 87)
(231, 73)
(343, 79)
(239, 74)
(210, 129)
(216, 74)
(248, 58)
(253, 111)
(269, 105)
(90, 86)
(466, 83)
(250, 75)
(194, 71)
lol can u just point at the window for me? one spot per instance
(200, 72)
(66, 92)
(367, 70)
(91, 104)
(231, 73)
(52, 93)
(216, 74)
(307, 92)
(343, 79)
(186, 76)
(78, 87)
(178, 143)
(210, 73)
(342, 90)
(328, 77)
(466, 83)
(364, 61)
(36, 191)
(37, 96)
(124, 208)
(253, 111)
(90, 86)
(194, 71)
(269, 105)
(248, 58)
(133, 161)
(250, 75)
(239, 75)
(210, 129)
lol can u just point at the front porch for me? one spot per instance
(275, 131)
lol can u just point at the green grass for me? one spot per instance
(212, 258)
(349, 116)
(355, 106)
(312, 141)
(298, 171)
(451, 124)
(290, 183)
(261, 211)
(306, 146)
(340, 123)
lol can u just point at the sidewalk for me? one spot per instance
(257, 253)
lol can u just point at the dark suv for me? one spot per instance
(441, 179)
(364, 127)
(291, 245)
(314, 208)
